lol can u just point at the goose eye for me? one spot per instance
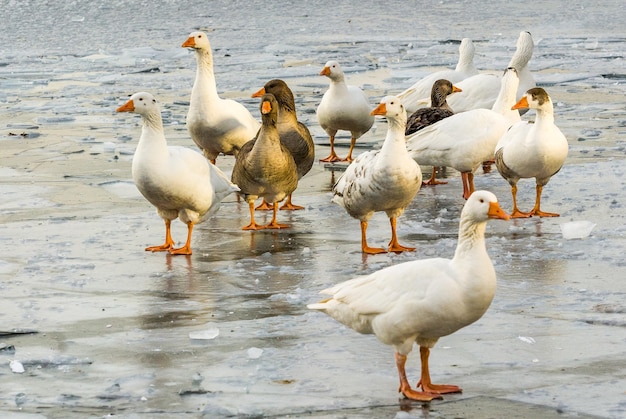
(482, 201)
(140, 99)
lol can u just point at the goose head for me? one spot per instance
(198, 41)
(535, 98)
(481, 206)
(333, 71)
(280, 90)
(442, 88)
(269, 109)
(142, 103)
(392, 108)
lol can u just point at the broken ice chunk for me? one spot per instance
(16, 367)
(576, 229)
(526, 339)
(254, 353)
(207, 334)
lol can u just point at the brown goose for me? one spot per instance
(438, 110)
(293, 134)
(264, 167)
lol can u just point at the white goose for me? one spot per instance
(178, 181)
(381, 180)
(417, 96)
(464, 140)
(481, 90)
(530, 150)
(423, 300)
(216, 125)
(343, 107)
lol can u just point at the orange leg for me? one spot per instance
(394, 246)
(169, 243)
(288, 205)
(273, 223)
(468, 184)
(264, 206)
(536, 210)
(186, 249)
(433, 181)
(252, 225)
(349, 156)
(333, 157)
(364, 247)
(425, 382)
(405, 387)
(516, 213)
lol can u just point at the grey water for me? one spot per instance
(103, 328)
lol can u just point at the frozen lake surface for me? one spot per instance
(107, 329)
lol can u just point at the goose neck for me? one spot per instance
(153, 122)
(338, 82)
(507, 95)
(437, 99)
(205, 78)
(522, 56)
(471, 238)
(205, 60)
(395, 135)
(544, 116)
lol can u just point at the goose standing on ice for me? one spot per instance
(530, 150)
(294, 135)
(216, 125)
(381, 180)
(423, 300)
(465, 140)
(417, 95)
(343, 107)
(264, 167)
(178, 181)
(438, 110)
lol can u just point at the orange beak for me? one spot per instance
(189, 43)
(325, 71)
(521, 104)
(266, 107)
(259, 93)
(455, 89)
(127, 107)
(496, 212)
(380, 110)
